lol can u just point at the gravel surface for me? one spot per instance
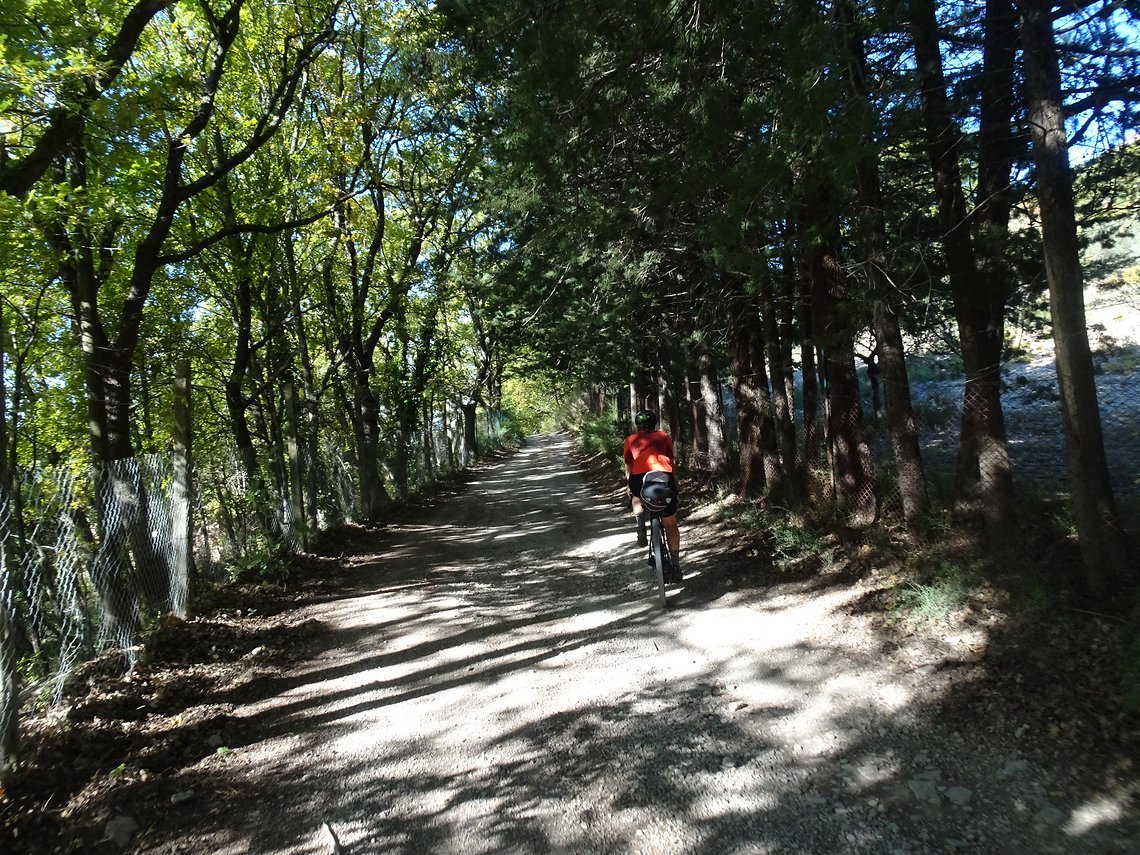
(501, 681)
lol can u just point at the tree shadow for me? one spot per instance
(443, 709)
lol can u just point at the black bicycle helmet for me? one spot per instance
(645, 418)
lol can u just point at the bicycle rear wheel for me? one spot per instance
(658, 556)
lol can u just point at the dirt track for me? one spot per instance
(501, 681)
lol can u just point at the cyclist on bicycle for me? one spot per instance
(651, 450)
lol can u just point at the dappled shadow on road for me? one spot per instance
(499, 680)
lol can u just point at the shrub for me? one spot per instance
(601, 435)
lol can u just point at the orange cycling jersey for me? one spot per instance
(648, 451)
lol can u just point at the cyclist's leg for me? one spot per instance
(634, 487)
(673, 530)
(672, 533)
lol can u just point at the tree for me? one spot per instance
(45, 134)
(885, 303)
(1103, 544)
(984, 464)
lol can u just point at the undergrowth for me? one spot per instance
(937, 591)
(601, 436)
(789, 537)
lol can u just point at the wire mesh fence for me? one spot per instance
(74, 587)
(1033, 455)
(88, 563)
(1033, 425)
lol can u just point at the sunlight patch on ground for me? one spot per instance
(819, 724)
(726, 799)
(772, 662)
(893, 698)
(522, 532)
(603, 545)
(1088, 816)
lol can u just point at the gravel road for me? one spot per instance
(501, 681)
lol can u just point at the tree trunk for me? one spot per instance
(237, 405)
(1108, 571)
(311, 460)
(399, 464)
(9, 667)
(298, 527)
(5, 468)
(622, 412)
(428, 444)
(717, 455)
(809, 377)
(744, 383)
(597, 401)
(470, 435)
(900, 414)
(145, 438)
(698, 439)
(182, 500)
(373, 497)
(984, 466)
(759, 457)
(670, 406)
(832, 314)
(643, 388)
(777, 330)
(9, 655)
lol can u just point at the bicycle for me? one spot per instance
(659, 499)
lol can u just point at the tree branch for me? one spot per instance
(186, 253)
(65, 122)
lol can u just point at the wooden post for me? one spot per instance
(182, 529)
(470, 437)
(299, 529)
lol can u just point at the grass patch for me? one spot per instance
(788, 538)
(937, 411)
(935, 601)
(1123, 359)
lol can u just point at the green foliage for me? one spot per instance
(928, 367)
(30, 668)
(926, 603)
(499, 430)
(1123, 360)
(601, 436)
(534, 400)
(939, 587)
(789, 538)
(267, 569)
(937, 411)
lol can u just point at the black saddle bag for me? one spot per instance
(657, 494)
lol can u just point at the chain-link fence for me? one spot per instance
(1034, 429)
(88, 563)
